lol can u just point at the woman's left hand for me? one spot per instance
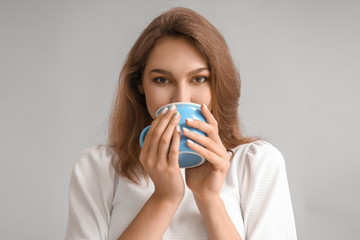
(206, 180)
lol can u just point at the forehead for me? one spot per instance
(170, 51)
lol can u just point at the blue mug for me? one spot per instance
(188, 158)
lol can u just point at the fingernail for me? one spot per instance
(172, 108)
(189, 120)
(177, 128)
(205, 106)
(186, 130)
(164, 110)
(177, 114)
(190, 142)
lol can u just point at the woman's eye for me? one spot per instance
(161, 80)
(200, 79)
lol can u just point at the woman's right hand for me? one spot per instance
(161, 163)
(163, 168)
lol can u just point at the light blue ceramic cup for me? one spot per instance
(187, 157)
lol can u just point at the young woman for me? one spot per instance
(123, 191)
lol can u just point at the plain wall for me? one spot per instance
(299, 63)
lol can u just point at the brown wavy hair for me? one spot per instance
(129, 112)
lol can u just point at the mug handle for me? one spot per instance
(143, 135)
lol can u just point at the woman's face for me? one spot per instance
(175, 72)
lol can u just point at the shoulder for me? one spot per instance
(96, 159)
(262, 148)
(258, 154)
(256, 147)
(96, 154)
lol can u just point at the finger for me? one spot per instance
(210, 130)
(158, 131)
(148, 137)
(165, 139)
(207, 154)
(208, 115)
(174, 149)
(207, 142)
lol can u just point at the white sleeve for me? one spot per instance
(265, 195)
(91, 193)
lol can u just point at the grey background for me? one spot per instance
(299, 62)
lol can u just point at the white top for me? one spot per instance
(255, 193)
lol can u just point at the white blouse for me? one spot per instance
(255, 193)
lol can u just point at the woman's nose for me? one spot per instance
(182, 94)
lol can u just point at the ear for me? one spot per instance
(141, 88)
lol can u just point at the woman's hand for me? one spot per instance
(160, 163)
(163, 168)
(206, 180)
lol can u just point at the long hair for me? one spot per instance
(129, 112)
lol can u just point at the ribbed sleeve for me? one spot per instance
(265, 196)
(91, 194)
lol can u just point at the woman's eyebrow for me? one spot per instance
(162, 71)
(196, 71)
(165, 72)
